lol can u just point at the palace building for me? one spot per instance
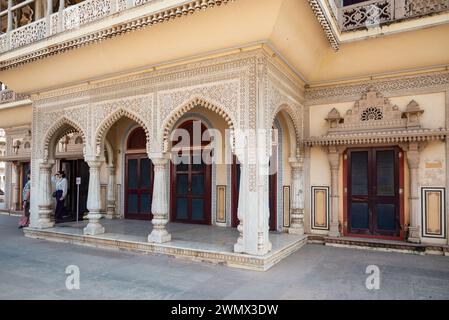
(229, 131)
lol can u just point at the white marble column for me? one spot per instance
(16, 189)
(45, 209)
(297, 200)
(94, 200)
(334, 162)
(414, 230)
(159, 206)
(253, 207)
(241, 208)
(110, 208)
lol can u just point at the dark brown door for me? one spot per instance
(191, 185)
(373, 192)
(191, 177)
(138, 187)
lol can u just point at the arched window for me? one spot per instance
(137, 139)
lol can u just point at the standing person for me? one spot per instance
(60, 194)
(25, 218)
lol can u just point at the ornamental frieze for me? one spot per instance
(347, 92)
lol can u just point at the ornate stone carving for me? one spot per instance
(318, 11)
(65, 124)
(365, 14)
(413, 114)
(347, 92)
(106, 114)
(334, 118)
(372, 111)
(171, 119)
(86, 12)
(373, 120)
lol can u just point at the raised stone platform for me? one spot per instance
(195, 242)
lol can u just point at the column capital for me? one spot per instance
(94, 164)
(159, 162)
(413, 150)
(46, 165)
(296, 165)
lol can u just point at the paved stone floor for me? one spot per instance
(35, 269)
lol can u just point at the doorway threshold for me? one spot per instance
(384, 245)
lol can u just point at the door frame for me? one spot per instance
(346, 171)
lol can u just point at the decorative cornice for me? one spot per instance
(115, 30)
(319, 13)
(348, 92)
(378, 137)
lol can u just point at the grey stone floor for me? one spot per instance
(35, 269)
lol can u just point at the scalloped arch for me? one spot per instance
(62, 127)
(294, 116)
(176, 114)
(107, 123)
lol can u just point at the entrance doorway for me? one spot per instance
(73, 169)
(139, 175)
(191, 178)
(373, 181)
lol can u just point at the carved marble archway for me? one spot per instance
(106, 124)
(294, 124)
(62, 127)
(177, 113)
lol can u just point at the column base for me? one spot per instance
(159, 236)
(45, 218)
(44, 225)
(238, 248)
(93, 227)
(414, 235)
(298, 230)
(334, 230)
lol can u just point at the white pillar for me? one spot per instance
(16, 190)
(253, 208)
(110, 214)
(334, 162)
(45, 211)
(414, 230)
(159, 207)
(297, 201)
(94, 200)
(239, 246)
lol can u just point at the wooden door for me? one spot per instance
(373, 200)
(138, 187)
